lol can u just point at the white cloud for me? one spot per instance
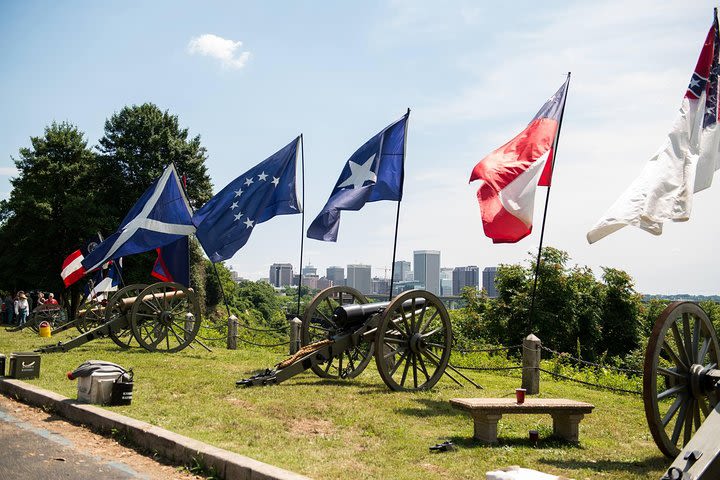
(227, 51)
(8, 171)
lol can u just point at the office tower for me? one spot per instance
(359, 278)
(427, 269)
(488, 281)
(465, 277)
(309, 270)
(402, 271)
(324, 283)
(380, 286)
(310, 281)
(336, 275)
(446, 282)
(281, 274)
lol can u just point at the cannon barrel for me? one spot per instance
(357, 314)
(127, 303)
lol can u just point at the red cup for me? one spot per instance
(520, 395)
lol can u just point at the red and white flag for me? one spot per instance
(511, 173)
(72, 269)
(685, 164)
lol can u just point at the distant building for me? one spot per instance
(488, 281)
(324, 283)
(427, 269)
(309, 270)
(310, 281)
(402, 271)
(446, 282)
(281, 274)
(399, 287)
(465, 277)
(380, 286)
(336, 275)
(359, 278)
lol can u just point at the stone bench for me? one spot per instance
(486, 412)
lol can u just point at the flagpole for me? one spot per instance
(397, 216)
(302, 220)
(183, 184)
(547, 200)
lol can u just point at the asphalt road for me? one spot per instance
(28, 452)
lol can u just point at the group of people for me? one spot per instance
(15, 310)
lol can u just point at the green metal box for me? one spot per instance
(24, 365)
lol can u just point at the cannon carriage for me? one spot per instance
(163, 317)
(410, 338)
(681, 391)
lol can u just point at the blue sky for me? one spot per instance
(473, 73)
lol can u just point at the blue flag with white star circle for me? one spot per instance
(374, 172)
(224, 223)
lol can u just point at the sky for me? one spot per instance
(248, 77)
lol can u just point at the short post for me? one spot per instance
(531, 364)
(295, 338)
(189, 324)
(232, 332)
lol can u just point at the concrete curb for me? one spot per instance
(178, 448)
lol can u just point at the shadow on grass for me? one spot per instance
(431, 408)
(645, 466)
(545, 443)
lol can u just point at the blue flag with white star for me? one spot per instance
(224, 224)
(374, 172)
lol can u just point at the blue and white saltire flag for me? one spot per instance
(161, 216)
(109, 283)
(225, 223)
(374, 172)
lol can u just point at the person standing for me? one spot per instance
(9, 309)
(22, 307)
(51, 299)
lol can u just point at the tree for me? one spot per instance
(139, 142)
(53, 208)
(622, 313)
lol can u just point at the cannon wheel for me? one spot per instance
(683, 344)
(120, 332)
(158, 318)
(317, 325)
(413, 345)
(91, 317)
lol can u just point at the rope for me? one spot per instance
(565, 377)
(494, 349)
(585, 362)
(481, 369)
(268, 330)
(260, 344)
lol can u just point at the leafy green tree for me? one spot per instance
(261, 297)
(139, 142)
(53, 208)
(622, 308)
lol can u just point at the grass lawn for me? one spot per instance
(356, 428)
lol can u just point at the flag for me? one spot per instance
(107, 280)
(161, 216)
(173, 263)
(224, 224)
(685, 164)
(374, 172)
(511, 173)
(72, 269)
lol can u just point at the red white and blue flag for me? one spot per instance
(72, 269)
(511, 173)
(685, 164)
(173, 263)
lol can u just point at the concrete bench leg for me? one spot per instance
(486, 427)
(567, 426)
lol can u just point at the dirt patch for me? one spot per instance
(310, 427)
(92, 444)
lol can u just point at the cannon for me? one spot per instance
(164, 317)
(681, 389)
(409, 336)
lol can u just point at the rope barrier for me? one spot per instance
(565, 377)
(494, 349)
(585, 362)
(482, 369)
(260, 344)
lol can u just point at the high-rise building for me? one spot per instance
(465, 277)
(309, 270)
(310, 281)
(359, 278)
(402, 271)
(380, 286)
(427, 269)
(281, 274)
(324, 283)
(446, 282)
(489, 281)
(336, 275)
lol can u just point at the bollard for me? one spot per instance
(531, 364)
(189, 324)
(232, 332)
(295, 338)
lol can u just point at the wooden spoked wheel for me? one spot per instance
(413, 341)
(159, 317)
(116, 312)
(90, 315)
(682, 348)
(318, 324)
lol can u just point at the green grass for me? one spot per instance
(356, 428)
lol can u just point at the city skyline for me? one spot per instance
(630, 63)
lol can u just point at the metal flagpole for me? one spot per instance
(302, 221)
(397, 217)
(547, 199)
